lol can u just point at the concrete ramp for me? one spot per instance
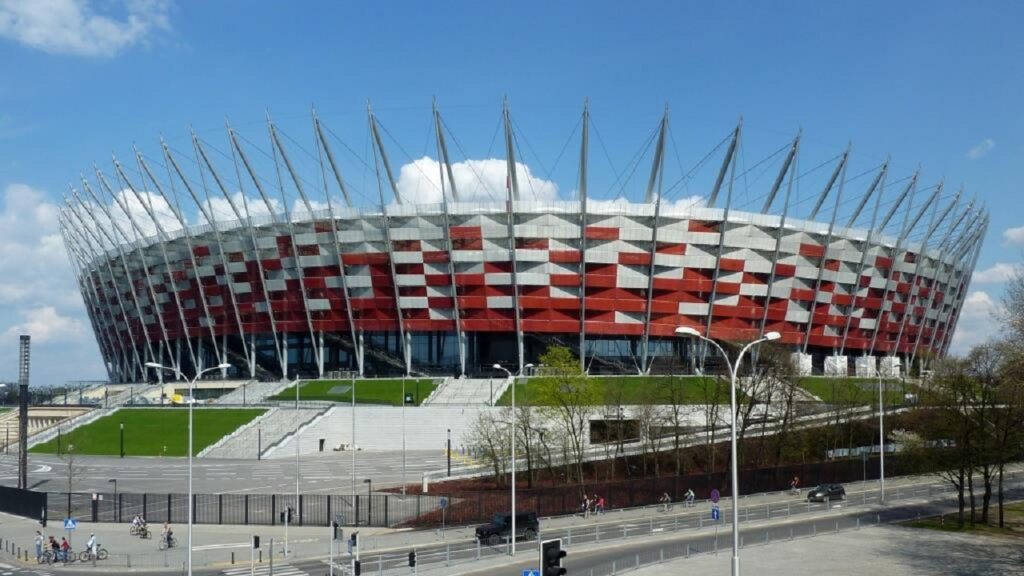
(468, 392)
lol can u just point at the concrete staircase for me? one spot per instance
(45, 422)
(262, 434)
(253, 392)
(467, 392)
(380, 428)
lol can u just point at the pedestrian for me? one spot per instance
(586, 506)
(600, 503)
(39, 546)
(689, 497)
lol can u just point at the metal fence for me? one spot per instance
(426, 510)
(23, 503)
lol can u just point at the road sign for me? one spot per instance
(70, 523)
(443, 502)
(716, 495)
(716, 513)
(530, 572)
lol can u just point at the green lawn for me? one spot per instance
(1013, 516)
(151, 431)
(853, 390)
(372, 391)
(631, 390)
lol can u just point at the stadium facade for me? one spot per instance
(453, 287)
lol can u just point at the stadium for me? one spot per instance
(194, 260)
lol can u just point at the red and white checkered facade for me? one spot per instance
(840, 290)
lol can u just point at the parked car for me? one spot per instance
(825, 492)
(500, 528)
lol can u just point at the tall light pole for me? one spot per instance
(512, 549)
(191, 401)
(688, 331)
(403, 434)
(352, 392)
(881, 439)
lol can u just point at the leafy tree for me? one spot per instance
(570, 400)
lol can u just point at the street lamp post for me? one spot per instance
(191, 401)
(512, 548)
(733, 368)
(116, 506)
(881, 439)
(122, 439)
(448, 452)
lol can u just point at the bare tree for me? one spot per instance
(491, 441)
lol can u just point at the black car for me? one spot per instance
(826, 492)
(500, 528)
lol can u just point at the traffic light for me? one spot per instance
(288, 513)
(357, 568)
(336, 532)
(412, 559)
(551, 555)
(354, 539)
(255, 541)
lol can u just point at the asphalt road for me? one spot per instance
(319, 473)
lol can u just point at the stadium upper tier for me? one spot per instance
(455, 286)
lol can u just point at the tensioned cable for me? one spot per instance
(529, 177)
(412, 160)
(517, 132)
(686, 177)
(604, 149)
(564, 147)
(480, 180)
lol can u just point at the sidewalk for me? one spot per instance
(218, 545)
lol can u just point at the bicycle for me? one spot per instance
(164, 544)
(100, 554)
(143, 532)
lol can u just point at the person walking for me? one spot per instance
(665, 501)
(599, 507)
(54, 548)
(586, 506)
(39, 546)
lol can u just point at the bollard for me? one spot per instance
(129, 561)
(650, 528)
(448, 555)
(878, 518)
(790, 532)
(661, 554)
(477, 548)
(687, 549)
(623, 531)
(261, 556)
(568, 537)
(765, 537)
(837, 526)
(814, 529)
(613, 567)
(232, 557)
(858, 523)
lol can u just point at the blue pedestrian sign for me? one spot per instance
(716, 514)
(70, 523)
(531, 572)
(443, 502)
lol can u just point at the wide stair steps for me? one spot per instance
(263, 433)
(468, 392)
(252, 392)
(381, 428)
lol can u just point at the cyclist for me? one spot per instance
(665, 501)
(90, 546)
(794, 485)
(54, 548)
(65, 549)
(689, 497)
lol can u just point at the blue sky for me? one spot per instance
(935, 84)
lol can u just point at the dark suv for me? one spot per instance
(825, 492)
(500, 528)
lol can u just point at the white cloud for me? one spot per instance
(681, 205)
(998, 272)
(419, 182)
(75, 27)
(46, 325)
(978, 322)
(38, 293)
(1014, 236)
(981, 149)
(254, 206)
